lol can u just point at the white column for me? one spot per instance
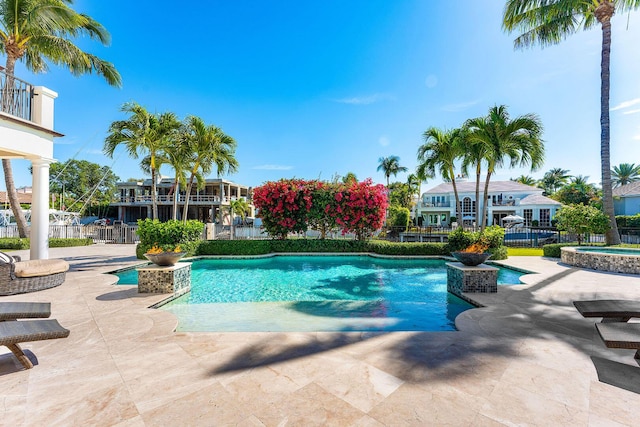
(42, 107)
(40, 209)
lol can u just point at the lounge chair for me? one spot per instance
(14, 332)
(24, 310)
(18, 277)
(615, 310)
(621, 335)
(617, 374)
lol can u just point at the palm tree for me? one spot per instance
(474, 156)
(143, 133)
(349, 178)
(526, 180)
(177, 155)
(439, 153)
(414, 184)
(625, 173)
(36, 31)
(390, 166)
(519, 140)
(211, 147)
(554, 179)
(240, 207)
(580, 180)
(547, 22)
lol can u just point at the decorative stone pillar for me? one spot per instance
(39, 235)
(175, 279)
(462, 278)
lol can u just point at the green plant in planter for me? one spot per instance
(168, 236)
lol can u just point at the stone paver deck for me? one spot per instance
(523, 359)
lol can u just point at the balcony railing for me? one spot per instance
(15, 96)
(203, 198)
(436, 205)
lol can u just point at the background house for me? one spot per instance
(436, 206)
(210, 204)
(626, 199)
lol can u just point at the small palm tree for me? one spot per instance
(549, 22)
(39, 30)
(143, 133)
(625, 173)
(240, 207)
(177, 155)
(211, 147)
(554, 179)
(440, 151)
(390, 166)
(518, 140)
(526, 180)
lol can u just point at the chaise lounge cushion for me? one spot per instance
(40, 267)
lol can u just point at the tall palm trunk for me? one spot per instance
(478, 171)
(12, 194)
(455, 194)
(485, 199)
(604, 12)
(176, 196)
(185, 210)
(154, 194)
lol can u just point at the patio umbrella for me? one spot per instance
(513, 218)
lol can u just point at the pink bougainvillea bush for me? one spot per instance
(283, 206)
(290, 206)
(361, 208)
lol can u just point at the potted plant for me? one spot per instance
(473, 255)
(164, 255)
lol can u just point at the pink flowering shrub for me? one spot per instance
(283, 206)
(289, 206)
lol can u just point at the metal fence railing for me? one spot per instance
(100, 234)
(15, 96)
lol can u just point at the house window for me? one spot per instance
(468, 207)
(545, 217)
(528, 216)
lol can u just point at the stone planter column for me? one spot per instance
(174, 279)
(461, 278)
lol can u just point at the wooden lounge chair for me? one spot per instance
(617, 374)
(18, 277)
(24, 310)
(621, 335)
(613, 310)
(14, 332)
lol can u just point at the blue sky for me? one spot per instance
(314, 89)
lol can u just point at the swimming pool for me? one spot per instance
(318, 293)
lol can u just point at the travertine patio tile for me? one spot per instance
(513, 405)
(612, 403)
(361, 385)
(100, 406)
(412, 406)
(209, 406)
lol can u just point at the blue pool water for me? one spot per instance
(614, 251)
(319, 293)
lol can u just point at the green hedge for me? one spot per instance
(17, 243)
(498, 253)
(260, 247)
(553, 250)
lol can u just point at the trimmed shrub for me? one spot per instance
(631, 221)
(498, 253)
(168, 235)
(553, 250)
(67, 243)
(233, 247)
(460, 239)
(398, 216)
(14, 243)
(17, 243)
(261, 247)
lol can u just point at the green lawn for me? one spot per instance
(524, 251)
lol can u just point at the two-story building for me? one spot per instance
(506, 198)
(26, 132)
(209, 204)
(626, 199)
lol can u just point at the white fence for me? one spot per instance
(100, 234)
